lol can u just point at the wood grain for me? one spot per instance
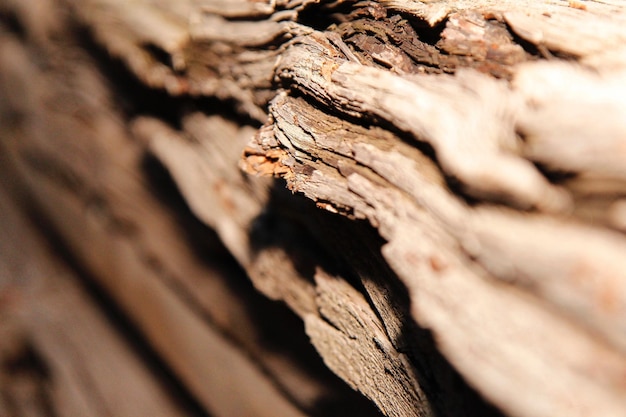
(454, 238)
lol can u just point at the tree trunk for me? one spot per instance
(313, 208)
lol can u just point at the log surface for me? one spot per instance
(454, 235)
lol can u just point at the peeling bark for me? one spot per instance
(454, 234)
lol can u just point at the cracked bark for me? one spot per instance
(454, 236)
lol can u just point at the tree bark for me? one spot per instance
(434, 188)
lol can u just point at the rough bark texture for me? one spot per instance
(436, 189)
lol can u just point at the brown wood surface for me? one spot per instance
(434, 188)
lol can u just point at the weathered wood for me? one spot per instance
(60, 355)
(483, 141)
(195, 308)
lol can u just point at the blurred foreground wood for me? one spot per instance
(313, 208)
